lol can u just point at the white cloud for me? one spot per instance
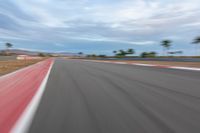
(134, 22)
(104, 39)
(59, 45)
(191, 24)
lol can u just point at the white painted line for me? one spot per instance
(24, 122)
(138, 64)
(186, 68)
(104, 61)
(120, 63)
(98, 61)
(172, 67)
(151, 65)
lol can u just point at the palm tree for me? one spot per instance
(122, 52)
(114, 52)
(8, 46)
(196, 40)
(166, 44)
(80, 53)
(130, 51)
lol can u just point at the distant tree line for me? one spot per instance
(148, 54)
(123, 53)
(95, 56)
(166, 44)
(7, 50)
(45, 55)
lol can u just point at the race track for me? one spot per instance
(89, 97)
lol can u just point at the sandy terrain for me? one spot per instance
(9, 66)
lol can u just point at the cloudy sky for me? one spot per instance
(99, 26)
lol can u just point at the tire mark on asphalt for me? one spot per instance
(140, 106)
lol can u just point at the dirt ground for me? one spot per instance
(168, 63)
(10, 66)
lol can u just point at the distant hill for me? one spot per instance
(66, 54)
(20, 52)
(35, 53)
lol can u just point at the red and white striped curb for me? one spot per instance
(20, 93)
(149, 65)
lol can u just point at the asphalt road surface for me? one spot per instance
(89, 97)
(156, 59)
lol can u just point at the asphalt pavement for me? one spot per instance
(89, 97)
(172, 59)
